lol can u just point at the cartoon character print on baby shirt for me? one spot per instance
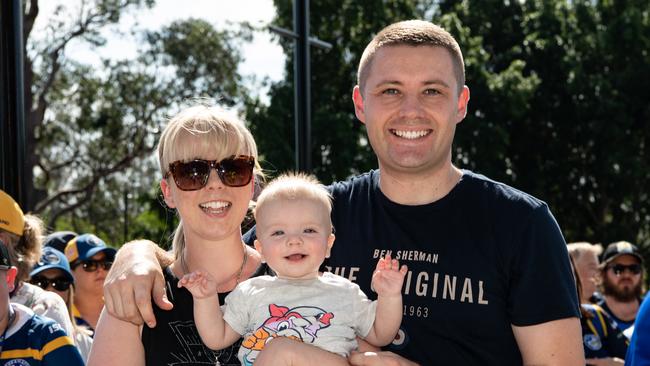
(301, 323)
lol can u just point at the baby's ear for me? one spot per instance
(258, 247)
(330, 244)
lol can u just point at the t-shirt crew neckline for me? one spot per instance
(439, 204)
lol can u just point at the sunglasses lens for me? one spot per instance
(60, 284)
(40, 282)
(191, 175)
(89, 266)
(236, 172)
(92, 266)
(633, 268)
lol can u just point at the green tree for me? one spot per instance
(577, 137)
(99, 126)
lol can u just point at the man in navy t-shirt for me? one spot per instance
(489, 279)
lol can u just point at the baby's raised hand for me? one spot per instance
(199, 283)
(388, 277)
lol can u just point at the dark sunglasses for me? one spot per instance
(619, 268)
(59, 283)
(235, 171)
(92, 266)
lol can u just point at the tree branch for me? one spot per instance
(29, 19)
(89, 188)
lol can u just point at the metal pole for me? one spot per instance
(126, 216)
(12, 112)
(302, 88)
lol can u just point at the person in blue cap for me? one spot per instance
(25, 337)
(22, 234)
(59, 239)
(90, 259)
(52, 273)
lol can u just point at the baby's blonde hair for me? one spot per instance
(295, 186)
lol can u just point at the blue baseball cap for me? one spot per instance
(83, 247)
(59, 239)
(52, 258)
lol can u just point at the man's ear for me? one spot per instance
(357, 99)
(258, 247)
(463, 101)
(167, 193)
(330, 244)
(11, 278)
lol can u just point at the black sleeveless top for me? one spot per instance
(175, 339)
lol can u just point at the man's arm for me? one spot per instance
(378, 359)
(135, 277)
(558, 342)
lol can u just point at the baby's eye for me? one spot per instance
(277, 233)
(310, 231)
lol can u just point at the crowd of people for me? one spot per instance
(611, 289)
(415, 263)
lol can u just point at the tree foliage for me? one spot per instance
(95, 127)
(577, 136)
(558, 106)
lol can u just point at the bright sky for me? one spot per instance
(262, 58)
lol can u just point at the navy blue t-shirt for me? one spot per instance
(484, 257)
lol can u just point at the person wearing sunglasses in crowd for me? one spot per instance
(25, 337)
(52, 273)
(208, 161)
(22, 234)
(474, 294)
(604, 344)
(90, 259)
(621, 273)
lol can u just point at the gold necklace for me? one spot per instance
(239, 272)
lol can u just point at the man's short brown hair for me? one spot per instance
(412, 33)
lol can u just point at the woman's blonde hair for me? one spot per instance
(203, 131)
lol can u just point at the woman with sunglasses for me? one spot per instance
(208, 160)
(23, 235)
(90, 259)
(52, 273)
